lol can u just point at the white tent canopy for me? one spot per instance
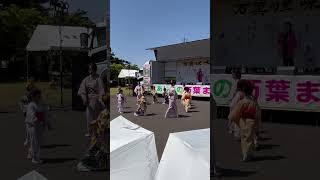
(133, 152)
(46, 37)
(186, 156)
(128, 73)
(33, 175)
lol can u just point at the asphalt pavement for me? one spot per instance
(61, 151)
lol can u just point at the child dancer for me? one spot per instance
(24, 104)
(36, 120)
(121, 101)
(154, 94)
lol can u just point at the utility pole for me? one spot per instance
(60, 7)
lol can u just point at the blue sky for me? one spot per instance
(140, 24)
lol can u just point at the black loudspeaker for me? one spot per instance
(79, 72)
(84, 40)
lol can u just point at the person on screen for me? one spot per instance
(287, 44)
(246, 114)
(172, 111)
(199, 75)
(91, 91)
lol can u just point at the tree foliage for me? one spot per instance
(19, 18)
(117, 64)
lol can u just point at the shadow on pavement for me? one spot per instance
(234, 173)
(183, 116)
(152, 114)
(57, 160)
(52, 146)
(192, 111)
(267, 158)
(265, 139)
(267, 146)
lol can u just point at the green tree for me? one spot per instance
(17, 25)
(117, 64)
(115, 70)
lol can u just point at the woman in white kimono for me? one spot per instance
(120, 101)
(138, 92)
(91, 91)
(172, 111)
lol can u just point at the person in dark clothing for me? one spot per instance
(287, 45)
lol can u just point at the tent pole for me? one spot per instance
(27, 58)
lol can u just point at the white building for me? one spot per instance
(181, 62)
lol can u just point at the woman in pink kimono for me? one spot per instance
(91, 91)
(172, 111)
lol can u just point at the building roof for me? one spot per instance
(186, 50)
(128, 73)
(46, 37)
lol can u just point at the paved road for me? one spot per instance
(62, 149)
(287, 152)
(198, 118)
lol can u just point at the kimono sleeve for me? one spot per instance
(82, 90)
(31, 114)
(101, 88)
(234, 101)
(235, 113)
(183, 96)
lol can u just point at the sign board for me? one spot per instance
(187, 71)
(196, 90)
(262, 28)
(279, 92)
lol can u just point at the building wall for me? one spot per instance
(193, 49)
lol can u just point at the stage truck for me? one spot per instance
(187, 63)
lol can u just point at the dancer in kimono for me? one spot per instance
(91, 91)
(24, 104)
(97, 153)
(232, 127)
(138, 92)
(121, 101)
(142, 107)
(165, 96)
(37, 121)
(172, 111)
(186, 98)
(154, 94)
(247, 115)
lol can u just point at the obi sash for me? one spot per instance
(40, 116)
(249, 113)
